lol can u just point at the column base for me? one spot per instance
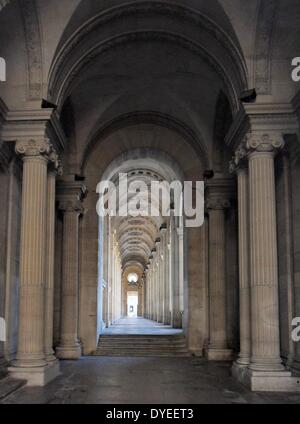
(219, 354)
(68, 352)
(269, 381)
(50, 357)
(36, 376)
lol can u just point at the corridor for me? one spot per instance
(140, 326)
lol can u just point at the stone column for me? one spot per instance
(176, 315)
(266, 371)
(49, 286)
(151, 288)
(166, 304)
(218, 344)
(286, 257)
(30, 361)
(167, 317)
(240, 167)
(180, 233)
(156, 296)
(70, 196)
(263, 256)
(146, 293)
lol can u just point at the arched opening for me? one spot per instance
(142, 271)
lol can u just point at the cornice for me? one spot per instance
(67, 190)
(220, 188)
(33, 124)
(262, 118)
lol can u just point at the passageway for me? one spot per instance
(140, 326)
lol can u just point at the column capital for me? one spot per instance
(217, 203)
(74, 190)
(264, 142)
(71, 206)
(258, 142)
(29, 147)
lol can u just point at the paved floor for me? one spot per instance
(140, 326)
(102, 380)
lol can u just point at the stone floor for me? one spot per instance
(106, 380)
(140, 326)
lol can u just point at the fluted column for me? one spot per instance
(50, 242)
(218, 343)
(263, 256)
(180, 234)
(71, 206)
(165, 270)
(151, 289)
(32, 256)
(176, 319)
(30, 359)
(168, 283)
(156, 290)
(286, 264)
(244, 280)
(239, 166)
(159, 281)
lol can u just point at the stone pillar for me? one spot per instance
(266, 365)
(49, 286)
(70, 196)
(146, 295)
(167, 316)
(180, 234)
(175, 280)
(158, 245)
(151, 288)
(165, 272)
(244, 278)
(266, 371)
(218, 344)
(286, 258)
(30, 361)
(156, 288)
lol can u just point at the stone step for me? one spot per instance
(143, 354)
(138, 349)
(142, 345)
(143, 342)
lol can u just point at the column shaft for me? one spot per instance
(218, 343)
(244, 280)
(32, 263)
(263, 263)
(69, 346)
(49, 288)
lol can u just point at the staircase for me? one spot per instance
(142, 345)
